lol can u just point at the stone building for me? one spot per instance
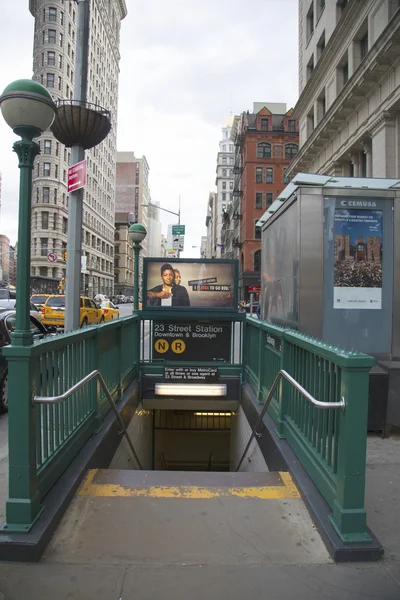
(349, 73)
(54, 53)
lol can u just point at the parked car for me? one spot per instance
(6, 294)
(40, 300)
(34, 310)
(7, 326)
(100, 297)
(110, 311)
(54, 312)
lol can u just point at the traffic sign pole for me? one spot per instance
(75, 209)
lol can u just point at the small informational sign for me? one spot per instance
(52, 257)
(274, 342)
(193, 374)
(77, 176)
(191, 341)
(178, 229)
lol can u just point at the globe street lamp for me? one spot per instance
(28, 108)
(136, 233)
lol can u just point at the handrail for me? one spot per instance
(60, 399)
(307, 395)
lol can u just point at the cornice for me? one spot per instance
(334, 44)
(354, 92)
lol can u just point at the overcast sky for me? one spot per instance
(186, 65)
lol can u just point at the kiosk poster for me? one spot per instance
(185, 283)
(358, 259)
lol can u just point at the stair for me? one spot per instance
(187, 518)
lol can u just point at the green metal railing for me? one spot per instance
(330, 444)
(45, 438)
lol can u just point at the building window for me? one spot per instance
(47, 146)
(257, 231)
(52, 14)
(257, 260)
(320, 8)
(321, 105)
(264, 150)
(230, 147)
(51, 36)
(310, 66)
(56, 171)
(269, 175)
(43, 246)
(224, 185)
(223, 196)
(43, 270)
(291, 151)
(45, 220)
(224, 160)
(292, 125)
(223, 172)
(269, 198)
(310, 21)
(285, 177)
(258, 199)
(259, 172)
(310, 122)
(50, 80)
(231, 185)
(343, 72)
(321, 45)
(51, 59)
(61, 39)
(46, 169)
(65, 225)
(364, 46)
(55, 195)
(46, 195)
(264, 124)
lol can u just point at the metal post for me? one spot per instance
(75, 208)
(26, 150)
(136, 252)
(23, 504)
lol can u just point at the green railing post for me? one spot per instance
(120, 391)
(260, 364)
(284, 388)
(95, 387)
(23, 504)
(349, 515)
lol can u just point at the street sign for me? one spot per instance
(171, 253)
(52, 257)
(178, 230)
(178, 242)
(77, 176)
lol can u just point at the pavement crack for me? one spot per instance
(244, 538)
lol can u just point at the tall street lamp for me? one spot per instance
(136, 233)
(28, 108)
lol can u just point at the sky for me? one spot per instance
(186, 65)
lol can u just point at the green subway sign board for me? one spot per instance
(178, 230)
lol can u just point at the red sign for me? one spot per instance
(254, 288)
(52, 257)
(77, 176)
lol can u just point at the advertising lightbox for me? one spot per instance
(190, 283)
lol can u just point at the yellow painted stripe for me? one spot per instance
(279, 492)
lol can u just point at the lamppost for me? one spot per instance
(137, 233)
(28, 108)
(178, 214)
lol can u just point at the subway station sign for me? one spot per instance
(192, 341)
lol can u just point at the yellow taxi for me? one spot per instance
(110, 311)
(54, 311)
(40, 300)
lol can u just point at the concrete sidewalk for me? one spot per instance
(223, 575)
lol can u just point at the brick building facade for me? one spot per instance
(266, 142)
